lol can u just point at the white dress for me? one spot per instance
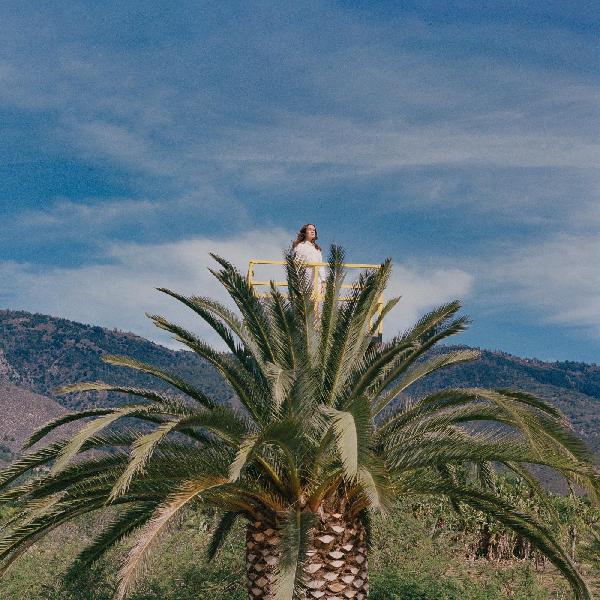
(306, 252)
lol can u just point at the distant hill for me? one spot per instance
(22, 412)
(573, 387)
(39, 353)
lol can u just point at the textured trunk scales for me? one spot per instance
(262, 557)
(336, 567)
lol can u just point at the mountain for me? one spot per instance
(573, 387)
(23, 411)
(39, 353)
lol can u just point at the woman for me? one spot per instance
(306, 249)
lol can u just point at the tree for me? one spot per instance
(324, 436)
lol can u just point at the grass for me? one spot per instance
(407, 562)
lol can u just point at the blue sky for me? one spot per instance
(459, 138)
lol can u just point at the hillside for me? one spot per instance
(571, 386)
(420, 552)
(22, 412)
(39, 353)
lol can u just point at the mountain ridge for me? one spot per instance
(39, 353)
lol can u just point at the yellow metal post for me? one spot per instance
(379, 309)
(316, 290)
(250, 274)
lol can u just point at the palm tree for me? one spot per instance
(324, 436)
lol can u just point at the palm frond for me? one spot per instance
(454, 447)
(329, 310)
(302, 309)
(32, 526)
(63, 420)
(534, 418)
(346, 438)
(351, 330)
(226, 325)
(46, 455)
(170, 378)
(122, 525)
(223, 330)
(170, 402)
(351, 431)
(426, 368)
(285, 435)
(431, 329)
(281, 381)
(386, 309)
(486, 475)
(527, 525)
(538, 491)
(90, 429)
(283, 328)
(432, 322)
(141, 451)
(149, 534)
(242, 456)
(255, 318)
(375, 365)
(31, 461)
(76, 475)
(248, 389)
(373, 482)
(295, 540)
(217, 539)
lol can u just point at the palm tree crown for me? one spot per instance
(324, 435)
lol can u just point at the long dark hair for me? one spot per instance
(302, 236)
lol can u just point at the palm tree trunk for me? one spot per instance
(262, 557)
(336, 566)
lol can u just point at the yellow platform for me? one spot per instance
(317, 296)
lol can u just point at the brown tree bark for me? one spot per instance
(262, 557)
(336, 565)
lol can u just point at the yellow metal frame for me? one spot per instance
(317, 296)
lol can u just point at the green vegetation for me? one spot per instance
(412, 559)
(324, 442)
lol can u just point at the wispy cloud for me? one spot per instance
(119, 291)
(392, 144)
(376, 98)
(558, 280)
(545, 199)
(468, 135)
(97, 222)
(422, 289)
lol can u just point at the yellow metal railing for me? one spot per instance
(317, 295)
